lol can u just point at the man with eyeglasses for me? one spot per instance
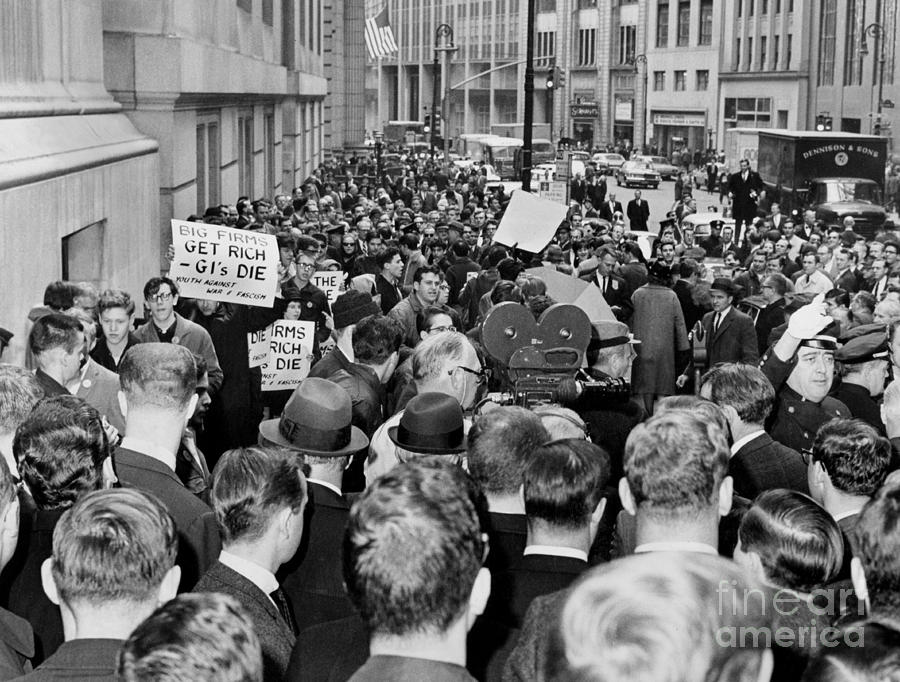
(445, 362)
(313, 301)
(424, 293)
(167, 326)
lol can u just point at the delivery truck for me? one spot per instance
(835, 174)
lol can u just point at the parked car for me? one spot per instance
(661, 165)
(637, 173)
(605, 161)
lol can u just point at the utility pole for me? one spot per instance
(529, 99)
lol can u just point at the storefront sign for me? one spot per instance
(679, 119)
(584, 110)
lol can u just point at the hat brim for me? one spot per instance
(392, 434)
(358, 440)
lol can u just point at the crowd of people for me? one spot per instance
(730, 516)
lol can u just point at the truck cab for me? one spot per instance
(833, 199)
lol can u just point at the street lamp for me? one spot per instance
(641, 133)
(379, 145)
(443, 42)
(875, 30)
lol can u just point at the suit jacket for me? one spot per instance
(617, 294)
(16, 645)
(532, 576)
(764, 464)
(769, 317)
(50, 385)
(274, 633)
(861, 404)
(313, 579)
(100, 352)
(743, 204)
(193, 337)
(848, 281)
(198, 535)
(606, 211)
(100, 388)
(407, 669)
(596, 192)
(87, 660)
(638, 214)
(735, 340)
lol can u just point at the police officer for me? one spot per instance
(801, 368)
(864, 368)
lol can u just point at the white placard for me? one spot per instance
(529, 222)
(223, 264)
(258, 347)
(553, 191)
(290, 354)
(330, 282)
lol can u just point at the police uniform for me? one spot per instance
(864, 348)
(794, 420)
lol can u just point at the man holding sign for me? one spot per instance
(312, 300)
(167, 326)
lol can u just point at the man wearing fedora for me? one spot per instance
(316, 424)
(431, 425)
(443, 363)
(730, 335)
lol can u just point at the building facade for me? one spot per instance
(119, 116)
(854, 55)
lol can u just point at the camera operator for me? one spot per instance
(609, 355)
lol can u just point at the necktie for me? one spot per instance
(284, 609)
(807, 279)
(603, 284)
(716, 323)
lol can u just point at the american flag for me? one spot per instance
(379, 36)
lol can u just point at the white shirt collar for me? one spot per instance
(741, 442)
(676, 546)
(264, 579)
(325, 484)
(553, 550)
(150, 449)
(845, 514)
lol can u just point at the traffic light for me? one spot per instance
(427, 128)
(560, 77)
(551, 79)
(823, 123)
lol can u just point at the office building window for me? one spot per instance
(748, 62)
(269, 151)
(763, 42)
(776, 53)
(627, 42)
(659, 81)
(587, 46)
(546, 48)
(662, 24)
(246, 5)
(703, 80)
(827, 32)
(706, 22)
(787, 51)
(740, 7)
(207, 162)
(748, 112)
(736, 62)
(750, 8)
(777, 6)
(268, 14)
(680, 80)
(764, 6)
(684, 23)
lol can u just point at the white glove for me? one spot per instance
(810, 319)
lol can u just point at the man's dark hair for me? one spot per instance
(688, 267)
(564, 482)
(839, 297)
(410, 241)
(386, 256)
(56, 330)
(427, 270)
(460, 248)
(161, 375)
(743, 387)
(203, 637)
(849, 661)
(375, 339)
(778, 282)
(113, 545)
(151, 288)
(499, 443)
(250, 485)
(61, 448)
(856, 458)
(425, 317)
(60, 295)
(432, 514)
(496, 254)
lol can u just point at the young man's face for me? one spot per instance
(427, 287)
(162, 303)
(116, 323)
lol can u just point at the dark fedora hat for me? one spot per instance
(316, 420)
(725, 285)
(432, 424)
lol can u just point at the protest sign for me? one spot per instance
(290, 354)
(529, 222)
(330, 282)
(258, 347)
(223, 264)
